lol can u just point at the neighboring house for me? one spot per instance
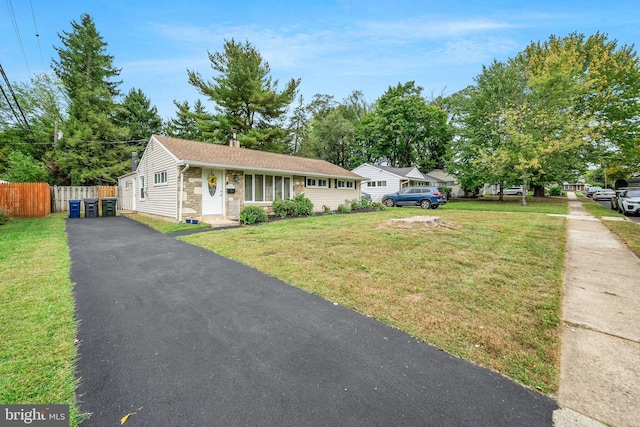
(218, 181)
(447, 180)
(385, 179)
(580, 185)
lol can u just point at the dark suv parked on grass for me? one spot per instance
(425, 197)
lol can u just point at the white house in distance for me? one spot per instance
(385, 179)
(182, 179)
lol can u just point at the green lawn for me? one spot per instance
(549, 205)
(165, 226)
(38, 329)
(487, 287)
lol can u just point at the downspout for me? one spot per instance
(181, 191)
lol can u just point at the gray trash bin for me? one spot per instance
(90, 208)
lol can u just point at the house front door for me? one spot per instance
(212, 192)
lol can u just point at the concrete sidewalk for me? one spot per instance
(599, 368)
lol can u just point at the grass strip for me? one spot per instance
(548, 205)
(38, 330)
(627, 231)
(164, 226)
(488, 288)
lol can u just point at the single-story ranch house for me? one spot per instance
(182, 179)
(382, 180)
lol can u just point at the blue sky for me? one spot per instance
(335, 47)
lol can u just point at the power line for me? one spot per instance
(15, 99)
(33, 15)
(17, 31)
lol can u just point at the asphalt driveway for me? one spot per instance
(185, 337)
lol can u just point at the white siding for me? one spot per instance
(331, 197)
(377, 175)
(160, 199)
(126, 191)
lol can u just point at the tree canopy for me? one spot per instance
(542, 116)
(246, 99)
(93, 150)
(403, 130)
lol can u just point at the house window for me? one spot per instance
(142, 187)
(160, 178)
(345, 184)
(266, 188)
(317, 183)
(376, 183)
(287, 188)
(248, 187)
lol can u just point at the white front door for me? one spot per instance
(212, 192)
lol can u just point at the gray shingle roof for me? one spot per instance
(203, 153)
(396, 171)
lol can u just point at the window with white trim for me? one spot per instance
(160, 178)
(317, 183)
(266, 188)
(376, 183)
(347, 185)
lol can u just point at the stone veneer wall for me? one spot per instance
(192, 192)
(235, 200)
(298, 186)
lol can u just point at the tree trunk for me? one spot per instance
(538, 191)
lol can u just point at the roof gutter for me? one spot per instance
(181, 191)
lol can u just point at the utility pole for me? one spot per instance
(57, 135)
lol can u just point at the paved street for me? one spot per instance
(607, 204)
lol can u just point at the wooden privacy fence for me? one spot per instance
(62, 195)
(25, 200)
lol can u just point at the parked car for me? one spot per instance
(513, 191)
(592, 190)
(425, 197)
(443, 196)
(603, 194)
(615, 200)
(629, 202)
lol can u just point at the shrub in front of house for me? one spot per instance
(301, 205)
(448, 191)
(297, 206)
(364, 203)
(555, 191)
(253, 215)
(282, 208)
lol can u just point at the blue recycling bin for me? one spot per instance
(74, 208)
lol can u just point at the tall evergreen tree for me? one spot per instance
(185, 124)
(139, 116)
(91, 152)
(247, 99)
